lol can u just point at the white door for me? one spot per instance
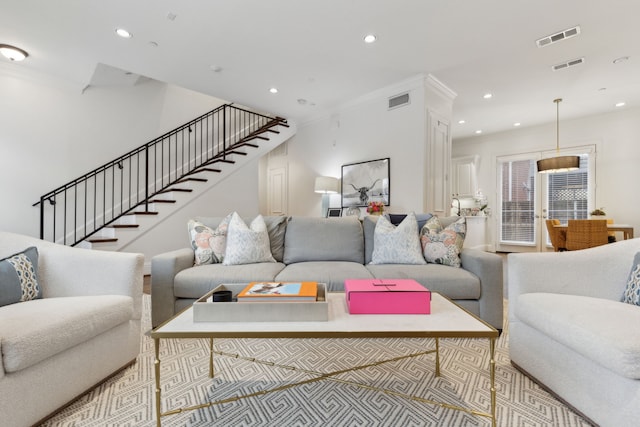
(526, 198)
(277, 190)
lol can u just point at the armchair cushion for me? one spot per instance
(36, 330)
(601, 330)
(19, 277)
(632, 291)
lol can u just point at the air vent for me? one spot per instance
(554, 38)
(399, 101)
(568, 64)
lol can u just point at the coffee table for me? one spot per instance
(447, 320)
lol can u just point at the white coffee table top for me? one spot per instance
(446, 320)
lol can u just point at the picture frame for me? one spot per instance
(334, 212)
(366, 182)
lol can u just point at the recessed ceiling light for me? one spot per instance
(215, 68)
(370, 38)
(488, 96)
(621, 59)
(479, 131)
(621, 104)
(462, 122)
(123, 33)
(13, 53)
(517, 124)
(273, 90)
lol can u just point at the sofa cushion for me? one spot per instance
(19, 277)
(323, 239)
(196, 281)
(632, 291)
(601, 330)
(333, 273)
(33, 331)
(247, 245)
(455, 283)
(276, 227)
(397, 245)
(208, 244)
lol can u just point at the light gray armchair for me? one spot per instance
(569, 330)
(85, 327)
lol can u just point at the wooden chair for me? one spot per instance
(586, 233)
(612, 234)
(556, 235)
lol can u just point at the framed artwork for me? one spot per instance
(333, 212)
(365, 182)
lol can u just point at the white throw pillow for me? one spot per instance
(247, 245)
(397, 245)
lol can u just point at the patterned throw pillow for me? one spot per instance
(247, 245)
(19, 277)
(397, 245)
(632, 292)
(208, 245)
(443, 246)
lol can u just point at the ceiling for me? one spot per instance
(313, 51)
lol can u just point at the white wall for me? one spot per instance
(364, 130)
(52, 133)
(616, 136)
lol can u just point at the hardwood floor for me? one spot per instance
(146, 285)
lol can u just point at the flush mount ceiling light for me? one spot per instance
(123, 33)
(370, 38)
(13, 53)
(558, 163)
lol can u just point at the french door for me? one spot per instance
(527, 198)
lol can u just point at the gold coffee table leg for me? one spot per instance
(156, 343)
(492, 367)
(437, 357)
(211, 373)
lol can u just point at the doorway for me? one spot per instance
(526, 198)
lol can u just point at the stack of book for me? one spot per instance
(279, 292)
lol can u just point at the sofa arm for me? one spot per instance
(164, 268)
(599, 272)
(488, 267)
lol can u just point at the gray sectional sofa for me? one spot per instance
(327, 250)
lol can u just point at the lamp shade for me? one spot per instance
(326, 184)
(559, 164)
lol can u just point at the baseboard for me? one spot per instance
(552, 393)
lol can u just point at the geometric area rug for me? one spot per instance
(128, 399)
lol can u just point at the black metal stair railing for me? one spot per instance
(77, 210)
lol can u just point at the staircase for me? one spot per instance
(106, 207)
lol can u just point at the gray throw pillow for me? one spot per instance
(19, 277)
(632, 291)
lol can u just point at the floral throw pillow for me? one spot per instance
(632, 291)
(208, 245)
(443, 245)
(247, 245)
(397, 245)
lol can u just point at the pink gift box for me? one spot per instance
(387, 296)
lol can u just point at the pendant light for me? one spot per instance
(558, 163)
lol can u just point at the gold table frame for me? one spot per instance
(448, 320)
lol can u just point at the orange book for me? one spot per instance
(279, 291)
